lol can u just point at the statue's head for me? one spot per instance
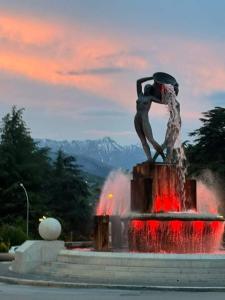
(147, 89)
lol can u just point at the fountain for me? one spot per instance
(163, 216)
(148, 232)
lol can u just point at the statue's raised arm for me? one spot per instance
(139, 85)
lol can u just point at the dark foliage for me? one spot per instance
(20, 161)
(68, 196)
(56, 189)
(208, 149)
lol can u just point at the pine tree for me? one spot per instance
(69, 196)
(208, 150)
(21, 161)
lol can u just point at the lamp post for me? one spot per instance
(28, 206)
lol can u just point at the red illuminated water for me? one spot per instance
(175, 236)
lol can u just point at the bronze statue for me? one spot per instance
(162, 91)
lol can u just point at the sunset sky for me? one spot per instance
(73, 64)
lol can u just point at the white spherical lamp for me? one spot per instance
(49, 229)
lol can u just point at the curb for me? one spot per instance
(6, 257)
(60, 284)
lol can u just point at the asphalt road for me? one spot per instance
(17, 292)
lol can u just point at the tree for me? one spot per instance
(55, 189)
(208, 150)
(20, 161)
(68, 196)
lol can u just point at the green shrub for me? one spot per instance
(4, 247)
(12, 235)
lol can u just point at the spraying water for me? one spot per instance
(208, 201)
(174, 122)
(209, 193)
(115, 195)
(172, 142)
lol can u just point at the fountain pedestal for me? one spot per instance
(101, 233)
(155, 188)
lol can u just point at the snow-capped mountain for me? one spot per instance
(98, 156)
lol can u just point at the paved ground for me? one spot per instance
(15, 292)
(42, 281)
(4, 271)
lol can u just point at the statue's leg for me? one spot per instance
(141, 135)
(149, 135)
(163, 146)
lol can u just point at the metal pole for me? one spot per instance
(28, 206)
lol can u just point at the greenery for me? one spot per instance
(56, 188)
(68, 193)
(20, 161)
(12, 235)
(4, 247)
(208, 149)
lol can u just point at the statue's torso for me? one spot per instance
(143, 103)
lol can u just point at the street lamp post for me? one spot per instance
(28, 206)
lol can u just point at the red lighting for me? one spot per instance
(138, 225)
(166, 203)
(175, 236)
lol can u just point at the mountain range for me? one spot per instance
(97, 157)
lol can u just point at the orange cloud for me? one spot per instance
(67, 55)
(27, 30)
(107, 66)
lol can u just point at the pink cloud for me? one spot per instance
(27, 30)
(64, 54)
(74, 55)
(191, 115)
(200, 64)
